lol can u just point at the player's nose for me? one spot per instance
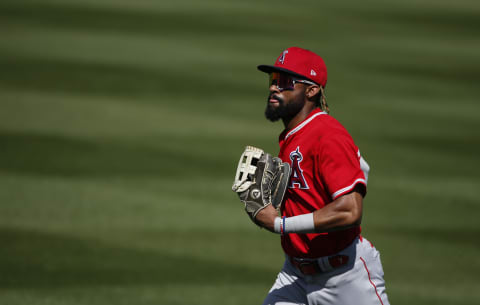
(273, 88)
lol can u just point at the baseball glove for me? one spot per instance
(260, 180)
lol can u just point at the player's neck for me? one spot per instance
(290, 123)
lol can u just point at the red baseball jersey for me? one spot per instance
(325, 165)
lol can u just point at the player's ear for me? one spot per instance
(312, 91)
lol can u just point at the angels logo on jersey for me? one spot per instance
(297, 180)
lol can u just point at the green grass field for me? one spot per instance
(121, 123)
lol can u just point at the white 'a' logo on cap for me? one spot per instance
(282, 58)
(313, 73)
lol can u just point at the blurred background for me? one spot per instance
(121, 125)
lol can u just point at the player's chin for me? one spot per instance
(273, 112)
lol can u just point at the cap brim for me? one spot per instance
(270, 69)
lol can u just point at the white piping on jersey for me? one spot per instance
(303, 124)
(335, 195)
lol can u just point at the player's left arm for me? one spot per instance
(340, 168)
(342, 213)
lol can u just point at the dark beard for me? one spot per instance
(282, 111)
(273, 114)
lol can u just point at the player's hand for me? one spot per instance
(260, 182)
(266, 217)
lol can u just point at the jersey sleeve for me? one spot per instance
(338, 164)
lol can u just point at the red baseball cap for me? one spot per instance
(301, 63)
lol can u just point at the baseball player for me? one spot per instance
(320, 201)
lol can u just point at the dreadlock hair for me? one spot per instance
(321, 100)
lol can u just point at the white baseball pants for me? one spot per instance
(360, 282)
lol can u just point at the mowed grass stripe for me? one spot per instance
(121, 118)
(156, 203)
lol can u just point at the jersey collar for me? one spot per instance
(315, 113)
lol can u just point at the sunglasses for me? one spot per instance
(285, 81)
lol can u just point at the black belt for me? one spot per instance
(311, 266)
